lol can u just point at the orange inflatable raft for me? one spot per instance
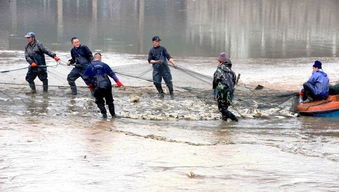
(323, 108)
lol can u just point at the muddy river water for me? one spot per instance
(58, 143)
(74, 153)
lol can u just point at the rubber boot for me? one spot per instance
(111, 110)
(45, 86)
(32, 86)
(103, 110)
(74, 90)
(224, 116)
(170, 89)
(232, 116)
(160, 91)
(304, 97)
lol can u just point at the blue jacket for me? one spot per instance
(319, 82)
(81, 56)
(98, 68)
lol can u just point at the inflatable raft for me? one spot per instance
(323, 108)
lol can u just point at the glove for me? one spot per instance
(90, 87)
(160, 62)
(56, 58)
(119, 84)
(301, 92)
(34, 65)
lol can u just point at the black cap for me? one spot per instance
(156, 38)
(317, 64)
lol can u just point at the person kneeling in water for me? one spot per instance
(317, 87)
(223, 85)
(96, 77)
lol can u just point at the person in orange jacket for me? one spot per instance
(35, 56)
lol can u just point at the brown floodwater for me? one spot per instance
(89, 154)
(56, 142)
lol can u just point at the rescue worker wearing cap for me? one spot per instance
(159, 58)
(81, 58)
(35, 56)
(317, 87)
(224, 80)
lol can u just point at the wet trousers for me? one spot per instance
(73, 76)
(102, 97)
(41, 73)
(162, 71)
(224, 99)
(309, 93)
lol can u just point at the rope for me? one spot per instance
(21, 68)
(137, 77)
(191, 71)
(133, 76)
(10, 70)
(187, 71)
(59, 86)
(143, 73)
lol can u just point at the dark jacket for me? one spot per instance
(319, 83)
(35, 53)
(224, 75)
(158, 53)
(98, 68)
(81, 56)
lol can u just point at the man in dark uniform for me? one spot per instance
(223, 85)
(35, 56)
(81, 57)
(158, 57)
(96, 77)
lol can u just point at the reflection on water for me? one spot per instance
(244, 28)
(38, 106)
